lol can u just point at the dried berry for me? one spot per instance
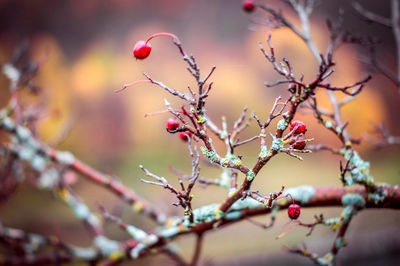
(294, 211)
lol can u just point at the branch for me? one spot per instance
(197, 250)
(371, 16)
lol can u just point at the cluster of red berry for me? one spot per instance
(172, 124)
(142, 50)
(297, 141)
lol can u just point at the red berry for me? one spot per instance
(293, 211)
(141, 50)
(298, 143)
(172, 124)
(301, 129)
(248, 6)
(183, 135)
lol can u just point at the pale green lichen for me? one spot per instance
(276, 144)
(250, 175)
(378, 197)
(38, 163)
(347, 213)
(65, 157)
(326, 260)
(8, 123)
(353, 199)
(303, 194)
(360, 175)
(23, 133)
(218, 214)
(211, 155)
(34, 144)
(34, 243)
(225, 178)
(340, 242)
(93, 220)
(333, 223)
(81, 211)
(170, 232)
(328, 124)
(136, 233)
(49, 178)
(26, 153)
(232, 192)
(247, 203)
(234, 215)
(11, 72)
(105, 245)
(224, 162)
(223, 135)
(282, 124)
(84, 253)
(360, 172)
(263, 152)
(236, 161)
(286, 116)
(206, 213)
(349, 181)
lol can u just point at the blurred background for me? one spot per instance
(87, 46)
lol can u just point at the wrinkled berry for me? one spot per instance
(294, 211)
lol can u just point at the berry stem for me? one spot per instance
(160, 112)
(173, 36)
(131, 84)
(288, 195)
(287, 230)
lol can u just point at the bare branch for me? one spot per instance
(371, 16)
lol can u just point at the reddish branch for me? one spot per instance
(113, 185)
